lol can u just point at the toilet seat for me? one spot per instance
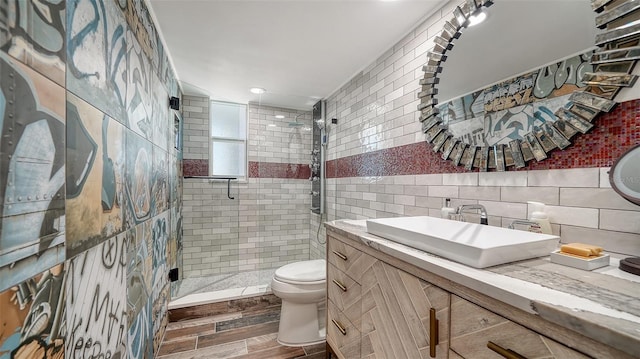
(303, 273)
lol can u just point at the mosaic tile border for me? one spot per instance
(615, 133)
(194, 167)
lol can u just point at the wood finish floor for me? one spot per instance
(240, 329)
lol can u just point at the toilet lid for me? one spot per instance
(305, 271)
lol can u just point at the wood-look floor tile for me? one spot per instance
(312, 349)
(237, 334)
(176, 346)
(262, 301)
(319, 355)
(247, 320)
(190, 331)
(222, 351)
(262, 342)
(279, 352)
(198, 311)
(204, 320)
(245, 328)
(262, 310)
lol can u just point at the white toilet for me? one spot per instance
(302, 288)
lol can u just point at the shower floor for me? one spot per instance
(202, 290)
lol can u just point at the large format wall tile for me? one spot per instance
(96, 201)
(32, 173)
(89, 173)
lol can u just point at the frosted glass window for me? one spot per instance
(228, 120)
(228, 158)
(228, 127)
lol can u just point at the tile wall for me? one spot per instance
(267, 223)
(380, 166)
(91, 187)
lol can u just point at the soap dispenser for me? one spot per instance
(447, 210)
(539, 216)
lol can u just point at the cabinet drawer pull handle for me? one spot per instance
(340, 285)
(339, 326)
(507, 353)
(434, 336)
(342, 256)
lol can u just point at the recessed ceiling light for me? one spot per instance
(271, 125)
(280, 116)
(477, 18)
(257, 90)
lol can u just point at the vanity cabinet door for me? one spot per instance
(473, 328)
(342, 335)
(345, 294)
(347, 259)
(397, 314)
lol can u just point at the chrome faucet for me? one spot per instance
(483, 211)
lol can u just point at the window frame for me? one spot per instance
(244, 141)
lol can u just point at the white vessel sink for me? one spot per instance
(472, 244)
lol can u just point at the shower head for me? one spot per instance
(295, 122)
(320, 123)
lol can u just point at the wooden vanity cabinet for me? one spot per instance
(389, 307)
(376, 310)
(402, 315)
(474, 330)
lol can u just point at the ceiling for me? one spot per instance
(299, 51)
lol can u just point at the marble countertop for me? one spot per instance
(602, 304)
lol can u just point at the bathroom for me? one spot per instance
(376, 117)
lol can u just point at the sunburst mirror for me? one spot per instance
(532, 113)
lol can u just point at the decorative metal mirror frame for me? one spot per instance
(619, 50)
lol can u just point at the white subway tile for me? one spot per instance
(485, 193)
(576, 177)
(460, 179)
(404, 200)
(429, 180)
(505, 209)
(546, 195)
(512, 178)
(595, 198)
(574, 216)
(404, 180)
(416, 190)
(604, 177)
(620, 221)
(416, 211)
(369, 196)
(443, 191)
(394, 208)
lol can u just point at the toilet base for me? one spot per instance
(299, 324)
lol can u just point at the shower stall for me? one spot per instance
(237, 232)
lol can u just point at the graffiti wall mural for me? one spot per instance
(95, 176)
(138, 175)
(90, 199)
(506, 111)
(34, 34)
(33, 317)
(96, 289)
(32, 173)
(96, 54)
(160, 181)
